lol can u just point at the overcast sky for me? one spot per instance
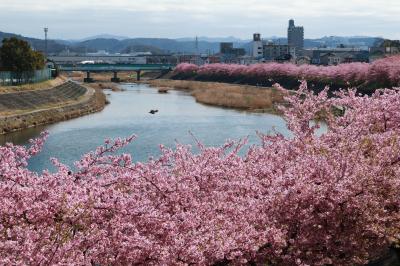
(74, 19)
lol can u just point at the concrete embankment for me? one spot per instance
(26, 109)
(251, 98)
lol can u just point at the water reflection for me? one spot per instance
(21, 137)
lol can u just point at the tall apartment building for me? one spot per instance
(257, 47)
(295, 35)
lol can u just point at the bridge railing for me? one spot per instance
(114, 67)
(8, 78)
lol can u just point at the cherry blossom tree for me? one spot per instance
(381, 73)
(308, 199)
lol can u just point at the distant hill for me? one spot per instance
(139, 45)
(109, 45)
(333, 41)
(121, 44)
(53, 46)
(37, 44)
(213, 39)
(137, 48)
(114, 45)
(100, 36)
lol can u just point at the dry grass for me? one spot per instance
(105, 86)
(227, 95)
(36, 86)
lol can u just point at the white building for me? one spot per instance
(257, 46)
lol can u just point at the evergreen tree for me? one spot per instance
(17, 55)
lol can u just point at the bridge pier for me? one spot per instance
(138, 72)
(115, 78)
(88, 79)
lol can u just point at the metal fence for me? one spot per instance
(8, 78)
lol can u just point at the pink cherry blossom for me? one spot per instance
(308, 199)
(383, 72)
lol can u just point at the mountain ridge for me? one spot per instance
(208, 45)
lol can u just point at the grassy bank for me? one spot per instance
(35, 86)
(251, 98)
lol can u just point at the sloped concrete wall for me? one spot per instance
(67, 101)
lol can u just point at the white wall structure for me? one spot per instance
(257, 46)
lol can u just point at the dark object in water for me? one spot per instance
(162, 90)
(153, 112)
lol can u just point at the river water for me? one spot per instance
(128, 114)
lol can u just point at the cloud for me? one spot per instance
(177, 18)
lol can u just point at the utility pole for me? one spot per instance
(46, 30)
(196, 45)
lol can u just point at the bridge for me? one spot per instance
(138, 68)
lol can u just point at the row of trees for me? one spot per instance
(16, 55)
(310, 199)
(381, 73)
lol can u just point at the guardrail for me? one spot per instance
(8, 78)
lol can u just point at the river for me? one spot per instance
(128, 113)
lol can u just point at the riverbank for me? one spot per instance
(25, 109)
(244, 97)
(34, 86)
(237, 96)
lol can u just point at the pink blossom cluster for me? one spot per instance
(386, 70)
(186, 68)
(330, 199)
